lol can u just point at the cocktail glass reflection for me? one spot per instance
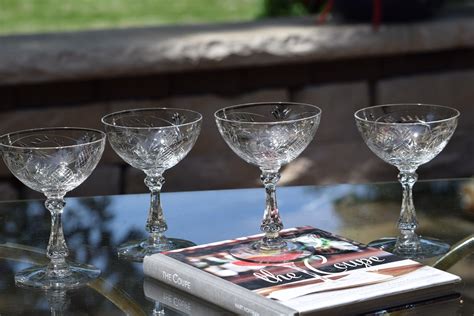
(152, 140)
(54, 161)
(407, 136)
(269, 135)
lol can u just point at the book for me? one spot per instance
(342, 276)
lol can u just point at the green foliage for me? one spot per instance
(26, 16)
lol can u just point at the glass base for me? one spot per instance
(136, 251)
(430, 247)
(40, 277)
(292, 251)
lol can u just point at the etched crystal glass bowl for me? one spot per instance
(152, 140)
(54, 161)
(269, 135)
(407, 136)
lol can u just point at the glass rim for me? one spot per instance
(105, 117)
(45, 129)
(456, 113)
(267, 103)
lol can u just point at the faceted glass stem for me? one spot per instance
(58, 302)
(156, 223)
(271, 222)
(272, 247)
(57, 249)
(58, 274)
(408, 242)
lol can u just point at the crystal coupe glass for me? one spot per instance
(407, 136)
(54, 161)
(152, 140)
(269, 135)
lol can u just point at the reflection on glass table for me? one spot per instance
(170, 301)
(95, 226)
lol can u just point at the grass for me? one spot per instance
(33, 16)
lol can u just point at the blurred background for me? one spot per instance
(68, 63)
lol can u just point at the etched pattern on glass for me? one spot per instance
(51, 163)
(155, 142)
(408, 140)
(268, 145)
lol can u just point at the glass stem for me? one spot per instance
(271, 222)
(57, 249)
(155, 223)
(58, 302)
(408, 241)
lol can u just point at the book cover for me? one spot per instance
(341, 275)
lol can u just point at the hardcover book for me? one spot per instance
(342, 276)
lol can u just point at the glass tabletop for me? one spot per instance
(95, 226)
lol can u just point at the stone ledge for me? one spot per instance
(140, 51)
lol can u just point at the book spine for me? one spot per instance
(211, 288)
